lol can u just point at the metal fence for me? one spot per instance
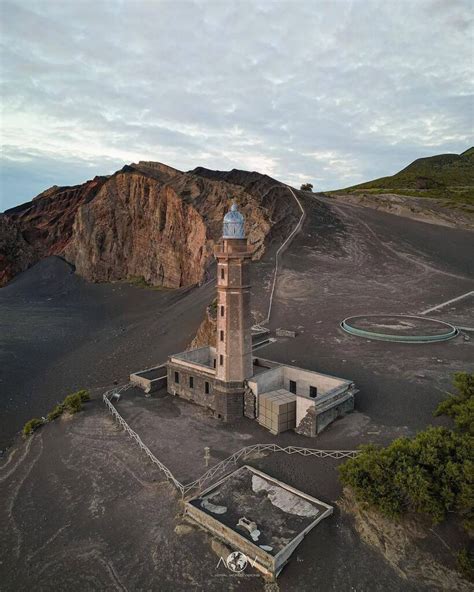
(120, 420)
(220, 468)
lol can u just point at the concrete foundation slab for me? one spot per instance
(282, 516)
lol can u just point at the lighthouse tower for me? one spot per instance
(234, 339)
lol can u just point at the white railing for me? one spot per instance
(120, 420)
(255, 448)
(221, 467)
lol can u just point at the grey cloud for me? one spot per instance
(338, 92)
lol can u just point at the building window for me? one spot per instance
(221, 360)
(206, 388)
(222, 273)
(214, 362)
(313, 392)
(293, 387)
(222, 335)
(176, 377)
(191, 382)
(222, 311)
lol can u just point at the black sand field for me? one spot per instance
(84, 511)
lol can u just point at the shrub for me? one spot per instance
(466, 564)
(213, 308)
(73, 402)
(306, 187)
(460, 406)
(429, 474)
(56, 412)
(31, 426)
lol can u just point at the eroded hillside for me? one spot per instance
(147, 220)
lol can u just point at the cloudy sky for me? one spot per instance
(332, 92)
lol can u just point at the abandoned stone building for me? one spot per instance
(229, 379)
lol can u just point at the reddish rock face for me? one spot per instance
(147, 220)
(16, 254)
(46, 222)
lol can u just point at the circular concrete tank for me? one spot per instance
(399, 328)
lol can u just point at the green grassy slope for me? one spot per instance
(447, 176)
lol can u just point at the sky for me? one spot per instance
(328, 92)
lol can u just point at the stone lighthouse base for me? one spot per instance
(229, 400)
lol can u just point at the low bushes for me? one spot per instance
(427, 474)
(431, 474)
(72, 403)
(31, 426)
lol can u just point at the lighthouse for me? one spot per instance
(234, 339)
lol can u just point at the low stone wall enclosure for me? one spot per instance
(319, 398)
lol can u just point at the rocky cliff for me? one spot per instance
(146, 220)
(16, 254)
(41, 227)
(207, 332)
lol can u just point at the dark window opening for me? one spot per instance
(222, 311)
(313, 392)
(176, 377)
(293, 387)
(221, 360)
(214, 362)
(206, 388)
(222, 273)
(222, 335)
(191, 382)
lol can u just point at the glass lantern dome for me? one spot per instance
(234, 224)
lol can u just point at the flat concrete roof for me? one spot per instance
(281, 514)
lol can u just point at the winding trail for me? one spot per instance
(282, 247)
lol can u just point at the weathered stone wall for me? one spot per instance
(307, 426)
(324, 419)
(229, 400)
(267, 381)
(196, 394)
(314, 422)
(250, 403)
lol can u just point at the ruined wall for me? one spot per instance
(196, 394)
(305, 378)
(313, 421)
(267, 381)
(324, 419)
(250, 403)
